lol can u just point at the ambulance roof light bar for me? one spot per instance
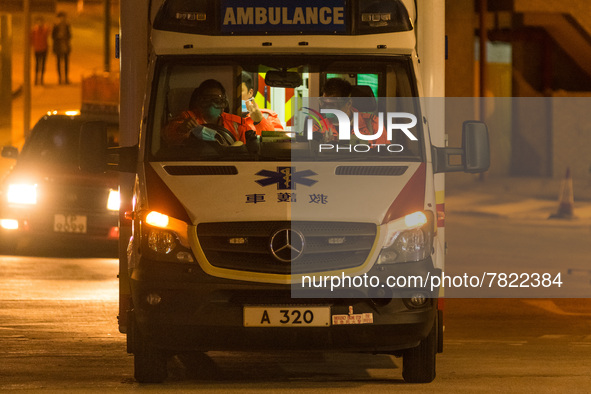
(264, 17)
(382, 17)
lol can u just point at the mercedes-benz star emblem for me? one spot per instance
(287, 244)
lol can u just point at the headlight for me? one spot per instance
(113, 201)
(161, 241)
(166, 236)
(22, 194)
(408, 239)
(9, 224)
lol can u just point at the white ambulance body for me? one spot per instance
(226, 243)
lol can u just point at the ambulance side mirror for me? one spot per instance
(92, 149)
(474, 155)
(95, 155)
(476, 147)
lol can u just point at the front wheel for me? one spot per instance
(418, 363)
(149, 362)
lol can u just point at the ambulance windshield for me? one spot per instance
(281, 108)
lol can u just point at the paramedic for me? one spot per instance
(256, 115)
(337, 95)
(207, 106)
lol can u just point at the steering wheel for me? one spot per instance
(223, 136)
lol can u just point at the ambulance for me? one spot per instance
(319, 233)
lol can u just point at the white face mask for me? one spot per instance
(204, 133)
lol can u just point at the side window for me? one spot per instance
(175, 85)
(399, 84)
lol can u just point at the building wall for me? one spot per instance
(459, 28)
(462, 86)
(459, 67)
(571, 142)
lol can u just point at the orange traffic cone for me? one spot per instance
(566, 199)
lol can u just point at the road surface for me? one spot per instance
(58, 332)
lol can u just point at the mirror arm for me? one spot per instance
(441, 159)
(123, 158)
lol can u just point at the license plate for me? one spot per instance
(288, 316)
(69, 223)
(360, 318)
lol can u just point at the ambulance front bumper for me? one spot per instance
(180, 308)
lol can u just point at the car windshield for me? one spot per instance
(324, 109)
(54, 141)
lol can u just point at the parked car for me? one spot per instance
(46, 197)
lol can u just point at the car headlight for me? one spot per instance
(9, 224)
(161, 241)
(408, 239)
(166, 236)
(22, 194)
(113, 202)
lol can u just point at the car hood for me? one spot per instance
(319, 191)
(61, 175)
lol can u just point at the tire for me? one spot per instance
(149, 362)
(198, 365)
(418, 363)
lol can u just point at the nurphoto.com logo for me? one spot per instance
(329, 122)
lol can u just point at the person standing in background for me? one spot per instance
(39, 38)
(61, 36)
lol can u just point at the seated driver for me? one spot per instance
(207, 106)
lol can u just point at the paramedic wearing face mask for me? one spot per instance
(260, 119)
(207, 106)
(337, 95)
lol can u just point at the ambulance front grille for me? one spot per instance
(246, 246)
